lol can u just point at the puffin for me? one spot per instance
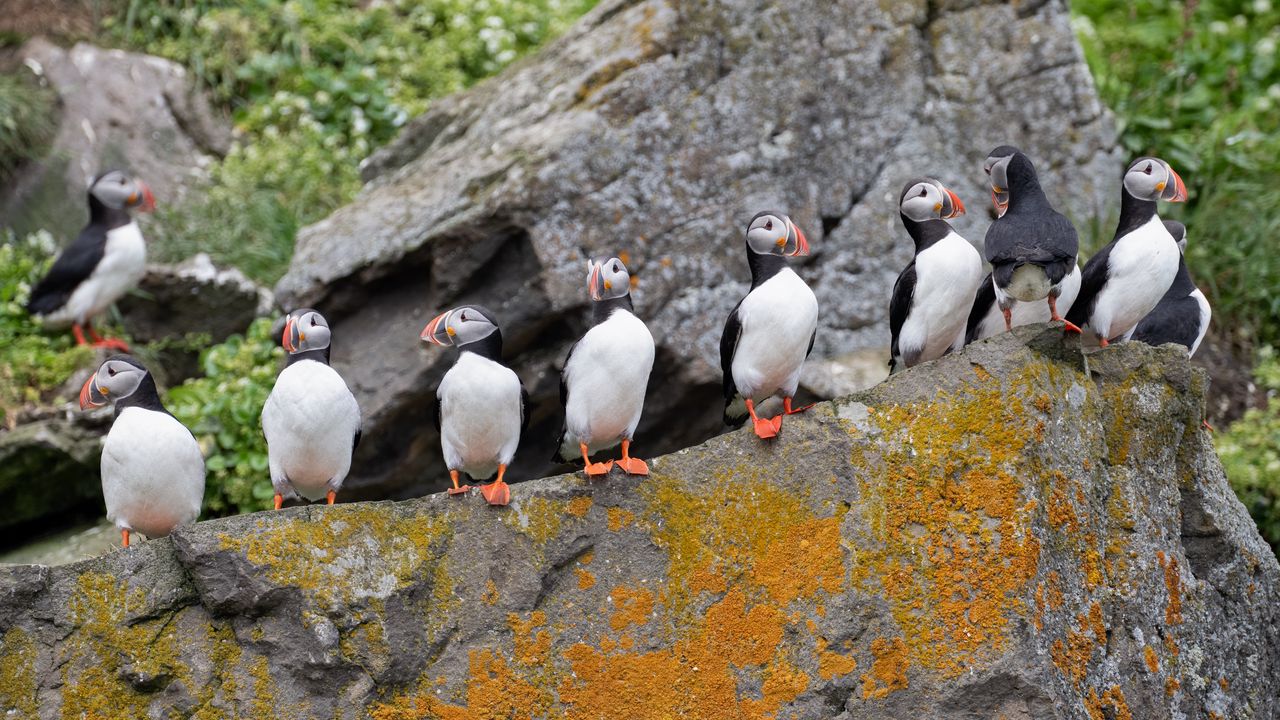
(771, 330)
(1031, 247)
(481, 405)
(106, 260)
(152, 468)
(1182, 315)
(603, 383)
(934, 293)
(1125, 280)
(311, 420)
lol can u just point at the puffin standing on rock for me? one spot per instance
(481, 403)
(152, 469)
(106, 260)
(1125, 279)
(603, 383)
(1031, 247)
(311, 420)
(770, 332)
(934, 293)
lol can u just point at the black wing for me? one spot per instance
(982, 303)
(1045, 239)
(1174, 320)
(435, 410)
(1092, 279)
(728, 346)
(355, 442)
(564, 404)
(75, 264)
(524, 409)
(904, 290)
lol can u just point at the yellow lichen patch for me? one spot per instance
(888, 671)
(579, 506)
(814, 544)
(106, 643)
(1073, 655)
(1062, 515)
(531, 648)
(832, 665)
(346, 553)
(693, 678)
(18, 683)
(264, 703)
(1173, 583)
(1113, 699)
(632, 607)
(1149, 656)
(952, 546)
(1171, 686)
(586, 580)
(620, 518)
(741, 537)
(537, 517)
(490, 595)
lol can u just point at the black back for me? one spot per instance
(77, 260)
(982, 304)
(1176, 319)
(904, 290)
(1031, 231)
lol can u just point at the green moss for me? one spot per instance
(18, 682)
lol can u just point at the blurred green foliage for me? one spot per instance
(26, 120)
(1198, 84)
(1250, 453)
(315, 86)
(224, 409)
(33, 362)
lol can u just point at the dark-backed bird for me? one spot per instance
(603, 382)
(1182, 315)
(106, 260)
(770, 332)
(934, 293)
(152, 468)
(1125, 280)
(311, 420)
(480, 404)
(1031, 247)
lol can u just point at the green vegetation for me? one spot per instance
(223, 410)
(1250, 452)
(26, 120)
(33, 363)
(1199, 85)
(315, 86)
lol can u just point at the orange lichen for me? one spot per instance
(531, 648)
(1112, 698)
(707, 579)
(952, 534)
(1171, 645)
(1149, 655)
(579, 506)
(1173, 583)
(888, 671)
(633, 607)
(620, 518)
(1073, 655)
(490, 594)
(1224, 684)
(1043, 403)
(814, 544)
(1062, 515)
(832, 665)
(586, 580)
(1171, 686)
(783, 682)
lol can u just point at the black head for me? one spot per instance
(607, 278)
(927, 199)
(1151, 179)
(118, 378)
(464, 327)
(773, 233)
(1004, 171)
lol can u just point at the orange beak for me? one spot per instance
(89, 395)
(143, 199)
(802, 243)
(957, 207)
(286, 339)
(594, 284)
(1179, 190)
(1001, 206)
(437, 331)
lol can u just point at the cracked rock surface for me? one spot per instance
(656, 129)
(996, 534)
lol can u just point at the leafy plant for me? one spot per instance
(1198, 83)
(34, 363)
(223, 410)
(1250, 453)
(26, 120)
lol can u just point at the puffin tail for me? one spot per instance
(735, 412)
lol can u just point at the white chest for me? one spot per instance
(152, 472)
(123, 263)
(310, 421)
(778, 320)
(1140, 268)
(947, 277)
(480, 414)
(606, 378)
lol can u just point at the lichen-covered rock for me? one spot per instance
(656, 129)
(1002, 533)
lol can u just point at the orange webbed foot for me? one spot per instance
(1207, 426)
(124, 538)
(330, 497)
(634, 466)
(787, 410)
(496, 493)
(1070, 327)
(457, 489)
(766, 429)
(599, 469)
(278, 501)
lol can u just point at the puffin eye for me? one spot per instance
(768, 224)
(1148, 169)
(923, 192)
(111, 371)
(616, 268)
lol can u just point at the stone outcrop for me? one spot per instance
(1002, 533)
(656, 129)
(117, 109)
